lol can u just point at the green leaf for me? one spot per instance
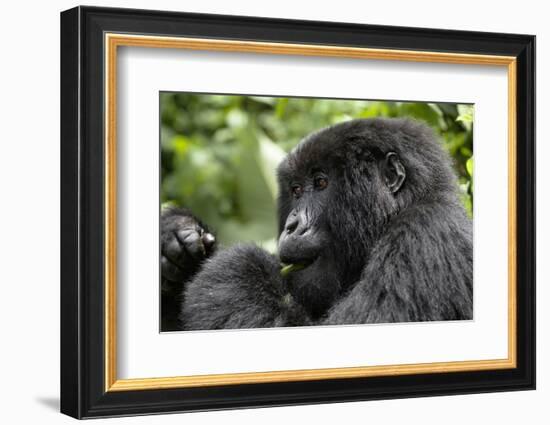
(269, 156)
(466, 115)
(256, 188)
(470, 166)
(167, 204)
(236, 118)
(286, 270)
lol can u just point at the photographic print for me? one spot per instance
(289, 211)
(301, 230)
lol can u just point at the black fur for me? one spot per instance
(179, 263)
(240, 287)
(381, 245)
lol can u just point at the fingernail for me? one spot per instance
(208, 239)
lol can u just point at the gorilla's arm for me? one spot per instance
(420, 270)
(239, 287)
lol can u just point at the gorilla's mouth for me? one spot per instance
(287, 268)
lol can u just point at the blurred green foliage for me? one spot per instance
(219, 153)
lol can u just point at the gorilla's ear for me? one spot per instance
(394, 172)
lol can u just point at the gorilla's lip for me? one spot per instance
(290, 267)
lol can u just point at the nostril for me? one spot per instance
(291, 227)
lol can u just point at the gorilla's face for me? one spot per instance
(303, 235)
(306, 241)
(334, 190)
(311, 182)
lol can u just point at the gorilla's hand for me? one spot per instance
(185, 243)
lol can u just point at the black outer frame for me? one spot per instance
(82, 212)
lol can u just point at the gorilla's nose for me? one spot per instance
(292, 225)
(296, 225)
(297, 243)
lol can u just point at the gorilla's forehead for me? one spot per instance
(316, 154)
(346, 144)
(330, 148)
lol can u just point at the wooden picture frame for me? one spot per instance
(90, 39)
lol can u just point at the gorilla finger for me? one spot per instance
(193, 243)
(186, 232)
(170, 271)
(173, 250)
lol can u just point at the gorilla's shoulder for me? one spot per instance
(424, 239)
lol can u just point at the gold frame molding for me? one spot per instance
(113, 41)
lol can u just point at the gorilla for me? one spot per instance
(371, 231)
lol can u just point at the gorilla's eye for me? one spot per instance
(297, 190)
(320, 182)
